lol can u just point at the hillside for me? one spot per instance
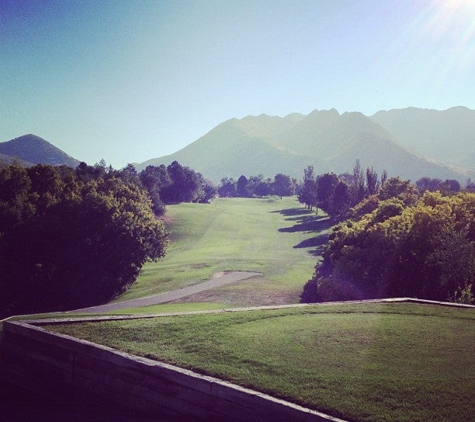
(31, 149)
(447, 136)
(325, 139)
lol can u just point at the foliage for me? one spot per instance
(155, 179)
(175, 184)
(283, 185)
(228, 188)
(256, 186)
(395, 245)
(72, 238)
(335, 195)
(431, 184)
(308, 192)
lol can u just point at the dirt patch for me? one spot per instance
(256, 291)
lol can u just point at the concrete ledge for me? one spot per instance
(59, 365)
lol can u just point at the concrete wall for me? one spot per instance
(59, 365)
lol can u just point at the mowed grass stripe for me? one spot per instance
(234, 234)
(366, 362)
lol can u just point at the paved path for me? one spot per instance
(219, 281)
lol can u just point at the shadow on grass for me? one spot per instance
(293, 211)
(308, 221)
(318, 242)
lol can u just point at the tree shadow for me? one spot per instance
(293, 211)
(318, 242)
(309, 224)
(308, 221)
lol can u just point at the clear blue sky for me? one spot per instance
(129, 80)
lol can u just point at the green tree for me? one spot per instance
(326, 185)
(341, 200)
(155, 179)
(283, 185)
(186, 185)
(425, 250)
(308, 192)
(227, 188)
(80, 249)
(242, 187)
(263, 188)
(372, 182)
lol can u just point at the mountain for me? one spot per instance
(31, 149)
(446, 136)
(326, 139)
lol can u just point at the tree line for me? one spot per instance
(72, 238)
(258, 186)
(337, 194)
(400, 240)
(174, 184)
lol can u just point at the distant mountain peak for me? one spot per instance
(32, 149)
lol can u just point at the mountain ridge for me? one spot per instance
(399, 141)
(443, 135)
(326, 139)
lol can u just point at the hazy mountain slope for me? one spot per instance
(341, 139)
(447, 136)
(325, 139)
(235, 147)
(31, 149)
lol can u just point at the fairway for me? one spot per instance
(276, 237)
(361, 362)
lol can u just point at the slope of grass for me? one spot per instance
(273, 236)
(365, 362)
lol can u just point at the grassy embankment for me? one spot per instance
(273, 236)
(366, 362)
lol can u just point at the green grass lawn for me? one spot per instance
(364, 362)
(273, 236)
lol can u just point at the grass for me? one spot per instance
(365, 362)
(273, 236)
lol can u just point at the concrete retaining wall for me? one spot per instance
(59, 365)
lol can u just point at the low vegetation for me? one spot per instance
(364, 362)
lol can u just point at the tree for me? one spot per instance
(372, 182)
(47, 185)
(186, 185)
(80, 248)
(341, 200)
(15, 190)
(209, 192)
(155, 179)
(430, 184)
(263, 188)
(326, 185)
(399, 248)
(401, 189)
(283, 185)
(227, 188)
(241, 187)
(308, 193)
(357, 188)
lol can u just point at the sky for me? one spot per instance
(130, 80)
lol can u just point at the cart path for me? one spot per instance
(216, 281)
